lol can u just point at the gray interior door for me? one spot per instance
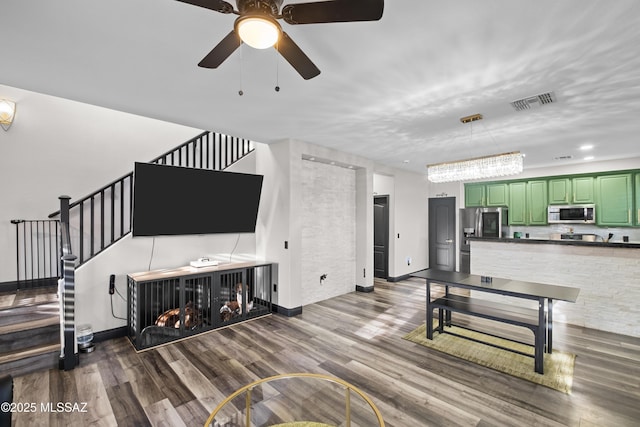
(381, 237)
(442, 233)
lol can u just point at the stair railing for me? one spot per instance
(37, 252)
(103, 217)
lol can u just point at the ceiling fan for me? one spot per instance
(257, 26)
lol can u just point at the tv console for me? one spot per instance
(171, 304)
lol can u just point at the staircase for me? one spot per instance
(31, 329)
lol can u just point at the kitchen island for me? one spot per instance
(608, 275)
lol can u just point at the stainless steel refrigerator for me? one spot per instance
(479, 222)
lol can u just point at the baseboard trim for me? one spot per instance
(289, 312)
(398, 278)
(28, 284)
(365, 289)
(404, 276)
(8, 286)
(110, 334)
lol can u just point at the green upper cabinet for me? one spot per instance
(537, 202)
(497, 194)
(559, 191)
(474, 195)
(637, 199)
(577, 190)
(614, 194)
(583, 189)
(518, 203)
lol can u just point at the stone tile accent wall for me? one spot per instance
(328, 231)
(608, 278)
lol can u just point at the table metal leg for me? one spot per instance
(448, 312)
(429, 313)
(540, 338)
(550, 326)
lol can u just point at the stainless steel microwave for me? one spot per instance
(572, 214)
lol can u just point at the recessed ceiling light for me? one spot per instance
(589, 158)
(586, 147)
(405, 161)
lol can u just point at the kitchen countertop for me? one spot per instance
(630, 245)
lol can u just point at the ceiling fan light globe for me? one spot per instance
(258, 32)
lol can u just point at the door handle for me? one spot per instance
(449, 241)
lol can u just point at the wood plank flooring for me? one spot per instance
(356, 337)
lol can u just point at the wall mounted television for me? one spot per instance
(174, 200)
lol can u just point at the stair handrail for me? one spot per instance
(122, 178)
(95, 193)
(227, 163)
(106, 214)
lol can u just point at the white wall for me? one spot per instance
(408, 219)
(411, 223)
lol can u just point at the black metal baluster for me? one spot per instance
(130, 201)
(81, 226)
(227, 144)
(101, 219)
(207, 149)
(92, 227)
(113, 213)
(122, 207)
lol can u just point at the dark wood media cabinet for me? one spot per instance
(167, 305)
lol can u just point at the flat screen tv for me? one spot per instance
(173, 200)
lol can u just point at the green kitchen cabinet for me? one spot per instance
(537, 202)
(582, 190)
(497, 194)
(614, 195)
(637, 206)
(474, 195)
(518, 203)
(559, 191)
(577, 190)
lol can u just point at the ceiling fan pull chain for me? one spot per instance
(277, 68)
(240, 92)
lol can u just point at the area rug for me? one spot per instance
(558, 366)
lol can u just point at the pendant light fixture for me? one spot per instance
(476, 168)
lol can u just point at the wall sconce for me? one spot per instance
(7, 113)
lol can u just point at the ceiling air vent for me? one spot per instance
(534, 101)
(563, 157)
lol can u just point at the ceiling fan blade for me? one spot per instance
(296, 57)
(333, 11)
(217, 5)
(221, 52)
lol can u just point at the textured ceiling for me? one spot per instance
(392, 90)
